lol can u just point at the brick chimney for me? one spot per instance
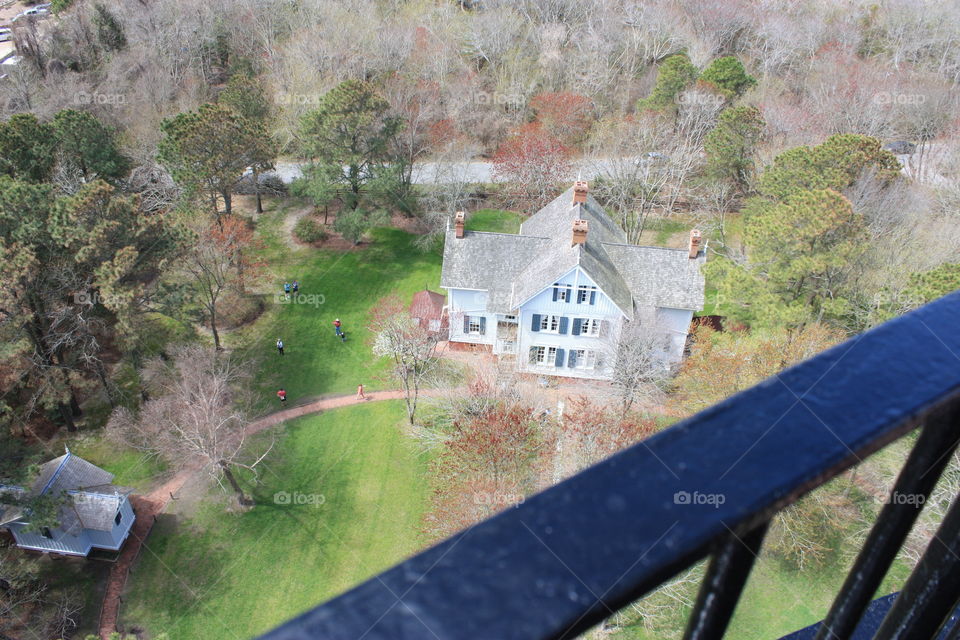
(580, 189)
(458, 221)
(579, 232)
(694, 243)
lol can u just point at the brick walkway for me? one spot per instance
(149, 506)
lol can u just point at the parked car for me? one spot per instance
(37, 11)
(900, 147)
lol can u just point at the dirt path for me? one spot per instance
(289, 222)
(147, 507)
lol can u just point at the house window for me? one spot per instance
(550, 324)
(118, 518)
(476, 325)
(510, 318)
(590, 327)
(561, 293)
(586, 294)
(544, 356)
(586, 359)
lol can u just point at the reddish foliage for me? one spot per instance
(489, 463)
(564, 115)
(534, 161)
(602, 432)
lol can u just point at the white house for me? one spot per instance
(559, 293)
(95, 514)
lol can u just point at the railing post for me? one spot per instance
(930, 594)
(721, 588)
(926, 462)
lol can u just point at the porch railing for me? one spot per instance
(571, 556)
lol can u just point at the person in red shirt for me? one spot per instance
(282, 395)
(336, 326)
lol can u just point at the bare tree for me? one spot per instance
(640, 369)
(196, 412)
(411, 347)
(642, 165)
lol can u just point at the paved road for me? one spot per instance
(432, 172)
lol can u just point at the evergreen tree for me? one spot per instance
(88, 147)
(800, 252)
(728, 76)
(675, 74)
(27, 148)
(348, 138)
(209, 149)
(731, 145)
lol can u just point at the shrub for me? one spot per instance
(309, 230)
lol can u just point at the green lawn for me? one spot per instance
(130, 468)
(496, 220)
(218, 575)
(346, 285)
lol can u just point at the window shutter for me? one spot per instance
(535, 325)
(483, 326)
(569, 293)
(466, 324)
(559, 361)
(593, 296)
(533, 355)
(577, 323)
(572, 359)
(564, 323)
(556, 290)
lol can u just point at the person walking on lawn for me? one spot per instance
(343, 337)
(286, 289)
(296, 286)
(280, 346)
(360, 395)
(282, 395)
(336, 327)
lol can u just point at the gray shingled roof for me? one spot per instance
(660, 277)
(489, 262)
(70, 472)
(513, 268)
(94, 501)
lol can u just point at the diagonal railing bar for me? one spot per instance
(924, 466)
(728, 572)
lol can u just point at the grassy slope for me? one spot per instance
(222, 575)
(316, 362)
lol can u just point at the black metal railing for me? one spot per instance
(571, 556)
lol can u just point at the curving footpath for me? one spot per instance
(147, 507)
